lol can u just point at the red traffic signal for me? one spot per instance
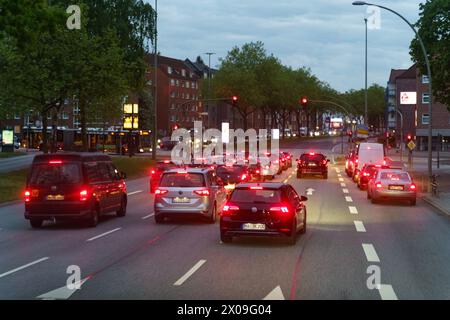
(175, 127)
(304, 101)
(234, 100)
(409, 137)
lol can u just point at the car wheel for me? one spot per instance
(159, 218)
(292, 240)
(213, 217)
(123, 208)
(225, 239)
(413, 202)
(36, 223)
(93, 218)
(303, 230)
(299, 175)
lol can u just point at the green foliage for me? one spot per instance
(434, 29)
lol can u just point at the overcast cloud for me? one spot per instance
(326, 36)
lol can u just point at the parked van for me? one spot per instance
(78, 186)
(368, 153)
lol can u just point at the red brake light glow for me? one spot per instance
(166, 161)
(160, 192)
(412, 187)
(229, 207)
(83, 195)
(378, 185)
(312, 153)
(244, 177)
(282, 209)
(55, 162)
(204, 192)
(27, 196)
(256, 188)
(182, 172)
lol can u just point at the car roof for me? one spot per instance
(189, 170)
(392, 170)
(81, 156)
(265, 185)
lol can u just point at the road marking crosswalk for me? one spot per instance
(23, 267)
(370, 252)
(197, 266)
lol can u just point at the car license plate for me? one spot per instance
(57, 197)
(400, 188)
(254, 226)
(312, 164)
(181, 200)
(230, 187)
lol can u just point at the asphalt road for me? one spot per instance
(133, 258)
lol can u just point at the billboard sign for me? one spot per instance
(408, 97)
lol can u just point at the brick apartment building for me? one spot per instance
(415, 113)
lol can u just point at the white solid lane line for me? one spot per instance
(134, 192)
(353, 210)
(103, 234)
(348, 199)
(359, 225)
(387, 292)
(345, 190)
(370, 252)
(149, 216)
(197, 266)
(23, 267)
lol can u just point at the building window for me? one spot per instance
(193, 85)
(16, 116)
(169, 70)
(182, 84)
(172, 94)
(172, 82)
(187, 84)
(183, 72)
(425, 79)
(425, 118)
(65, 115)
(178, 83)
(187, 96)
(173, 106)
(425, 98)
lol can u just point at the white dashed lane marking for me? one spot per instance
(134, 192)
(343, 185)
(348, 199)
(353, 210)
(359, 225)
(197, 266)
(370, 252)
(149, 216)
(345, 190)
(23, 267)
(387, 292)
(103, 234)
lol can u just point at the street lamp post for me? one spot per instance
(209, 78)
(401, 135)
(155, 95)
(427, 62)
(366, 119)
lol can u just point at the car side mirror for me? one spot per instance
(123, 175)
(303, 198)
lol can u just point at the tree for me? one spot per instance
(433, 27)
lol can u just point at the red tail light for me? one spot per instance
(229, 208)
(312, 153)
(256, 188)
(27, 195)
(366, 174)
(153, 172)
(384, 162)
(204, 192)
(412, 187)
(378, 185)
(282, 209)
(55, 162)
(257, 171)
(84, 195)
(159, 192)
(324, 162)
(356, 161)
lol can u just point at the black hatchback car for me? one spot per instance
(73, 186)
(312, 163)
(263, 209)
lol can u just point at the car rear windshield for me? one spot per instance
(256, 196)
(50, 174)
(394, 176)
(230, 170)
(182, 180)
(315, 157)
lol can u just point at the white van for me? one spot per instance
(368, 153)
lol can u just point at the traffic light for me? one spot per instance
(234, 100)
(304, 101)
(408, 138)
(175, 127)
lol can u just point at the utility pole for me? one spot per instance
(155, 95)
(209, 80)
(366, 119)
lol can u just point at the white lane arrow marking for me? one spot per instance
(275, 294)
(62, 293)
(309, 191)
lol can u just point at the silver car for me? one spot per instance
(392, 184)
(190, 191)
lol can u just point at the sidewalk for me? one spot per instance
(441, 203)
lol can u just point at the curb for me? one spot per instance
(435, 205)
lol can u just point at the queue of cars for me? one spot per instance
(366, 165)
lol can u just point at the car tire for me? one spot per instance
(212, 219)
(303, 230)
(159, 218)
(292, 240)
(92, 221)
(299, 175)
(225, 239)
(413, 202)
(36, 223)
(123, 208)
